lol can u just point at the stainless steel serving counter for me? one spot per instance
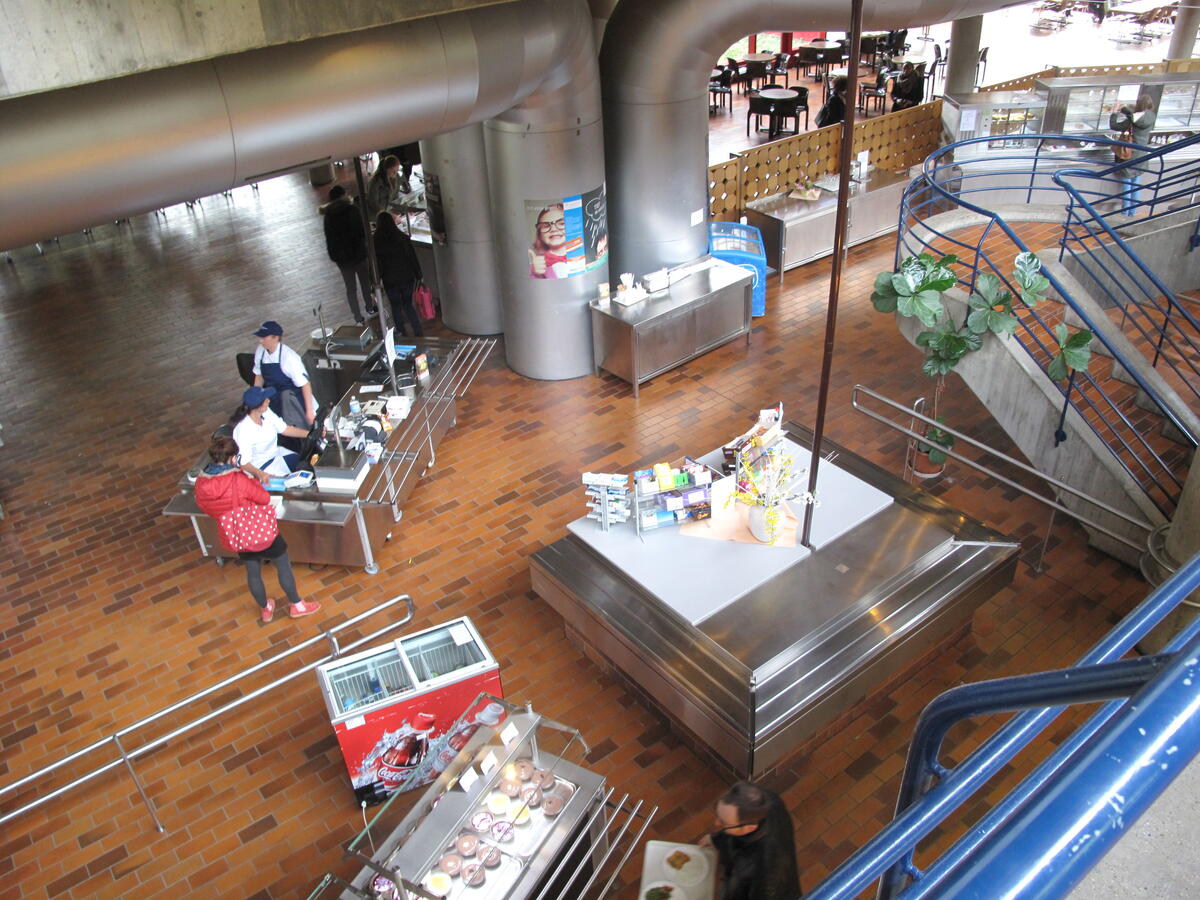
(698, 312)
(757, 676)
(798, 231)
(347, 527)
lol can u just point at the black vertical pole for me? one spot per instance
(845, 156)
(368, 226)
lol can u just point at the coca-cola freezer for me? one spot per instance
(389, 705)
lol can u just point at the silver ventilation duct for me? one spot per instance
(654, 64)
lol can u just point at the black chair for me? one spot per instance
(876, 92)
(789, 109)
(803, 60)
(738, 72)
(758, 107)
(869, 52)
(756, 72)
(779, 66)
(800, 103)
(245, 366)
(720, 89)
(930, 77)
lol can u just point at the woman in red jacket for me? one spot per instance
(246, 524)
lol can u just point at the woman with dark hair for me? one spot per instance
(834, 110)
(548, 253)
(399, 270)
(755, 846)
(908, 88)
(383, 186)
(256, 429)
(246, 525)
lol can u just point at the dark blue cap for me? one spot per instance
(254, 397)
(269, 327)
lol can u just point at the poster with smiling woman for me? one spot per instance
(568, 236)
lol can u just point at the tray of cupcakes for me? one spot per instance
(514, 818)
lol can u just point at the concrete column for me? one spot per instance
(1183, 539)
(468, 284)
(1183, 38)
(964, 55)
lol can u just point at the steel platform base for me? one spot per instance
(765, 673)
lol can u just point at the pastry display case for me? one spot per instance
(514, 813)
(998, 115)
(1080, 105)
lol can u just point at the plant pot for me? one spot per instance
(924, 467)
(756, 519)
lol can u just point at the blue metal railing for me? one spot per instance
(1122, 278)
(951, 179)
(1095, 783)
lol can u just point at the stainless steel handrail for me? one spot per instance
(127, 756)
(1049, 479)
(460, 372)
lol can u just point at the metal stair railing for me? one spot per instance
(1074, 804)
(1120, 275)
(946, 184)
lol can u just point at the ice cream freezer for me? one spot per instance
(513, 813)
(390, 706)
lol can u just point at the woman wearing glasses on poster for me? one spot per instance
(547, 255)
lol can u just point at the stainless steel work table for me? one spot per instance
(754, 678)
(699, 311)
(798, 231)
(348, 527)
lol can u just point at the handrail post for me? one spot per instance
(371, 567)
(138, 783)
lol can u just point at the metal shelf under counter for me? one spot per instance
(706, 305)
(798, 231)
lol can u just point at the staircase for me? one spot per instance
(1132, 422)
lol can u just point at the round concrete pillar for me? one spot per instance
(1183, 37)
(964, 55)
(456, 187)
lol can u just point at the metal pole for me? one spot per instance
(845, 155)
(376, 287)
(138, 784)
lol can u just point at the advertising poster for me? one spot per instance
(568, 236)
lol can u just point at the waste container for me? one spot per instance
(742, 245)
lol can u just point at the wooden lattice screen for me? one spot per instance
(896, 141)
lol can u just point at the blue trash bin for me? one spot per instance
(742, 245)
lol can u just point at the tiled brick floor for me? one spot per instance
(119, 359)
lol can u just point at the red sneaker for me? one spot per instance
(303, 608)
(267, 611)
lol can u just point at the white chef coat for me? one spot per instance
(259, 444)
(289, 361)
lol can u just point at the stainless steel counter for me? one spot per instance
(695, 314)
(347, 527)
(798, 231)
(770, 669)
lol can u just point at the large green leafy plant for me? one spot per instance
(915, 291)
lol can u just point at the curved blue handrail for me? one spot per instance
(895, 841)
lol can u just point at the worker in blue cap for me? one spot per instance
(278, 366)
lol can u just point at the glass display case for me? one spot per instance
(512, 814)
(1000, 115)
(1080, 105)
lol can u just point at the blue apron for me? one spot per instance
(288, 402)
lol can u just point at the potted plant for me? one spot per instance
(915, 290)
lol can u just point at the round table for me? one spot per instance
(715, 74)
(758, 57)
(776, 94)
(820, 45)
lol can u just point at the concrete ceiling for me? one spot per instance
(50, 44)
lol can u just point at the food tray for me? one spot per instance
(694, 881)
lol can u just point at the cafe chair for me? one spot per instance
(245, 367)
(789, 109)
(738, 72)
(869, 52)
(756, 73)
(758, 107)
(720, 91)
(779, 66)
(803, 60)
(877, 92)
(800, 103)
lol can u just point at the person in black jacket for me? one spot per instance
(908, 88)
(399, 271)
(834, 110)
(755, 846)
(346, 243)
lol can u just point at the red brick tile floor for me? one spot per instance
(118, 362)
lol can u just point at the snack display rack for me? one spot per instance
(515, 814)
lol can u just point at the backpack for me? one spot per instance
(248, 529)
